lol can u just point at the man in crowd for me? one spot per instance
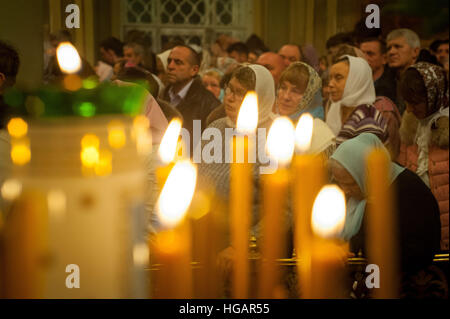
(403, 47)
(185, 91)
(290, 53)
(442, 52)
(374, 50)
(274, 63)
(238, 51)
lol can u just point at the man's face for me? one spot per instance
(107, 56)
(239, 57)
(234, 95)
(274, 63)
(179, 67)
(401, 54)
(338, 78)
(290, 54)
(374, 57)
(442, 53)
(131, 57)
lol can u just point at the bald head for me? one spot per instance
(290, 53)
(272, 62)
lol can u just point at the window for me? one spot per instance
(194, 21)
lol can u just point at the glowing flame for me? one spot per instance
(11, 189)
(176, 195)
(57, 203)
(303, 132)
(168, 148)
(116, 134)
(68, 58)
(247, 120)
(17, 127)
(281, 140)
(328, 216)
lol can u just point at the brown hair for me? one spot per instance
(344, 49)
(245, 76)
(296, 74)
(412, 88)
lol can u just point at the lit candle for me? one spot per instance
(70, 63)
(381, 232)
(280, 146)
(168, 150)
(241, 193)
(309, 177)
(328, 256)
(172, 246)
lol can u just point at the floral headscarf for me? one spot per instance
(314, 85)
(435, 83)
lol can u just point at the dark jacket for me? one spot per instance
(196, 105)
(386, 84)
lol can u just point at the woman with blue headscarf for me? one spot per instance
(416, 209)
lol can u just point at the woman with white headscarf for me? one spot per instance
(352, 94)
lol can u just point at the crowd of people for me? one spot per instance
(391, 93)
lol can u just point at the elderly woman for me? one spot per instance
(352, 95)
(299, 92)
(415, 208)
(424, 132)
(211, 80)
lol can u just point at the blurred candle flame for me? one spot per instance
(247, 120)
(17, 127)
(68, 58)
(177, 193)
(328, 216)
(168, 148)
(281, 140)
(11, 189)
(303, 132)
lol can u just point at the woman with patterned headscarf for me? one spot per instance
(299, 92)
(424, 132)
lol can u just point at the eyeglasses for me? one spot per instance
(237, 93)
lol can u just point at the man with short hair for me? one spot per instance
(238, 51)
(334, 43)
(274, 63)
(442, 52)
(185, 90)
(375, 50)
(111, 50)
(290, 53)
(403, 47)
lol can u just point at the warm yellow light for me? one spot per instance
(141, 123)
(56, 200)
(104, 165)
(168, 147)
(328, 216)
(68, 58)
(303, 132)
(89, 156)
(247, 120)
(176, 195)
(281, 140)
(17, 127)
(116, 134)
(11, 189)
(140, 254)
(90, 140)
(20, 153)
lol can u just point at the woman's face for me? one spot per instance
(338, 78)
(345, 181)
(212, 85)
(234, 95)
(418, 109)
(288, 98)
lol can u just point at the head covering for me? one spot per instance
(359, 89)
(322, 137)
(310, 56)
(265, 90)
(435, 82)
(163, 57)
(314, 85)
(352, 156)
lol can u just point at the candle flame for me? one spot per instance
(168, 148)
(328, 216)
(176, 195)
(68, 58)
(281, 140)
(247, 120)
(303, 132)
